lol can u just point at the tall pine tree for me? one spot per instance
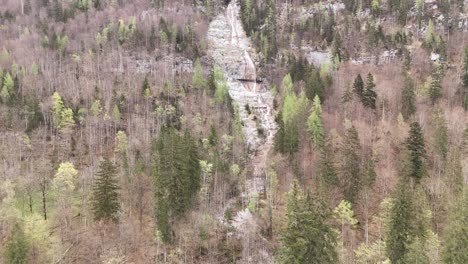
(465, 80)
(417, 152)
(369, 96)
(307, 238)
(350, 165)
(455, 248)
(358, 86)
(408, 99)
(400, 227)
(315, 124)
(176, 178)
(16, 247)
(105, 204)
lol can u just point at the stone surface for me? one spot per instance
(230, 48)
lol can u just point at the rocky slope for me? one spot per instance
(231, 49)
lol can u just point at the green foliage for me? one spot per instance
(146, 89)
(213, 137)
(287, 84)
(16, 247)
(368, 170)
(96, 108)
(34, 69)
(315, 124)
(455, 248)
(435, 87)
(415, 145)
(289, 120)
(465, 80)
(5, 55)
(221, 88)
(7, 91)
(314, 84)
(121, 144)
(126, 32)
(326, 173)
(400, 226)
(198, 80)
(105, 201)
(439, 134)
(116, 114)
(369, 96)
(307, 238)
(63, 117)
(358, 86)
(344, 214)
(350, 165)
(65, 178)
(83, 5)
(176, 177)
(408, 99)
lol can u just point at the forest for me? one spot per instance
(234, 131)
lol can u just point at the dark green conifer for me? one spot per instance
(358, 86)
(369, 96)
(16, 247)
(416, 148)
(350, 166)
(307, 238)
(105, 204)
(408, 99)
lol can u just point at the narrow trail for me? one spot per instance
(231, 49)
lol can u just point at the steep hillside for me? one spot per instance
(247, 131)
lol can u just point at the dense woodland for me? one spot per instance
(119, 142)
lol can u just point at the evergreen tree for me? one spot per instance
(440, 134)
(307, 238)
(16, 247)
(198, 81)
(105, 204)
(416, 148)
(326, 173)
(146, 88)
(350, 166)
(369, 96)
(400, 227)
(455, 249)
(359, 86)
(465, 80)
(176, 177)
(408, 99)
(315, 124)
(314, 84)
(213, 137)
(435, 87)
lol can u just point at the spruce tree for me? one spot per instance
(198, 80)
(145, 88)
(307, 238)
(326, 173)
(176, 176)
(16, 247)
(408, 99)
(455, 248)
(439, 134)
(359, 86)
(350, 165)
(400, 227)
(416, 148)
(315, 124)
(369, 96)
(435, 87)
(465, 80)
(105, 203)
